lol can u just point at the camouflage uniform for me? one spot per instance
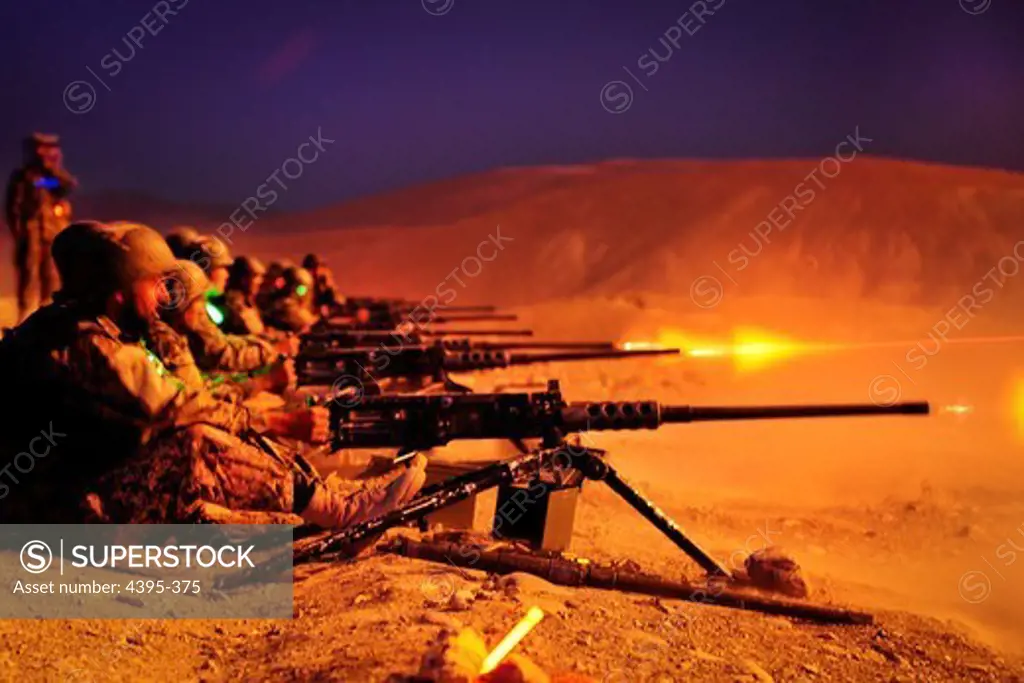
(288, 313)
(173, 351)
(240, 315)
(36, 209)
(123, 427)
(215, 351)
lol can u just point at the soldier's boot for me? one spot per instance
(332, 508)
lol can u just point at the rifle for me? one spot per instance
(420, 422)
(367, 365)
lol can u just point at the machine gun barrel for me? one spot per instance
(370, 338)
(467, 344)
(599, 354)
(420, 422)
(671, 414)
(476, 333)
(479, 317)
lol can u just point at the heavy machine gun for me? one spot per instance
(366, 366)
(420, 422)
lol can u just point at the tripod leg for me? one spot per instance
(661, 521)
(430, 499)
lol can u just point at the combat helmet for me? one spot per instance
(94, 258)
(33, 143)
(182, 239)
(311, 262)
(245, 266)
(297, 280)
(186, 284)
(213, 253)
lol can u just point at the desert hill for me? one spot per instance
(904, 232)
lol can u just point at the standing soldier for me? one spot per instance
(36, 209)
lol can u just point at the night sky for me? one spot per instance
(226, 90)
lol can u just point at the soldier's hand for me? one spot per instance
(312, 425)
(283, 375)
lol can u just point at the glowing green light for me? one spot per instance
(301, 290)
(216, 315)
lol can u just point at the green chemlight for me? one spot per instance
(216, 315)
(301, 290)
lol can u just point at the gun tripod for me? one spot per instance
(560, 466)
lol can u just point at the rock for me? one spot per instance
(811, 669)
(135, 640)
(756, 671)
(521, 582)
(461, 601)
(361, 599)
(828, 636)
(771, 569)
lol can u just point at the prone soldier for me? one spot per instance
(36, 209)
(136, 444)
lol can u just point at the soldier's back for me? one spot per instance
(60, 428)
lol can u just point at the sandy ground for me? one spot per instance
(910, 518)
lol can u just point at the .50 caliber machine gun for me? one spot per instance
(364, 366)
(420, 422)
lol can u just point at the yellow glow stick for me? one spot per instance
(518, 632)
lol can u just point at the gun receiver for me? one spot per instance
(421, 422)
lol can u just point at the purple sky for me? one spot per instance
(210, 106)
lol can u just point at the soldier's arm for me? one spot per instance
(295, 317)
(66, 183)
(173, 351)
(215, 351)
(133, 381)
